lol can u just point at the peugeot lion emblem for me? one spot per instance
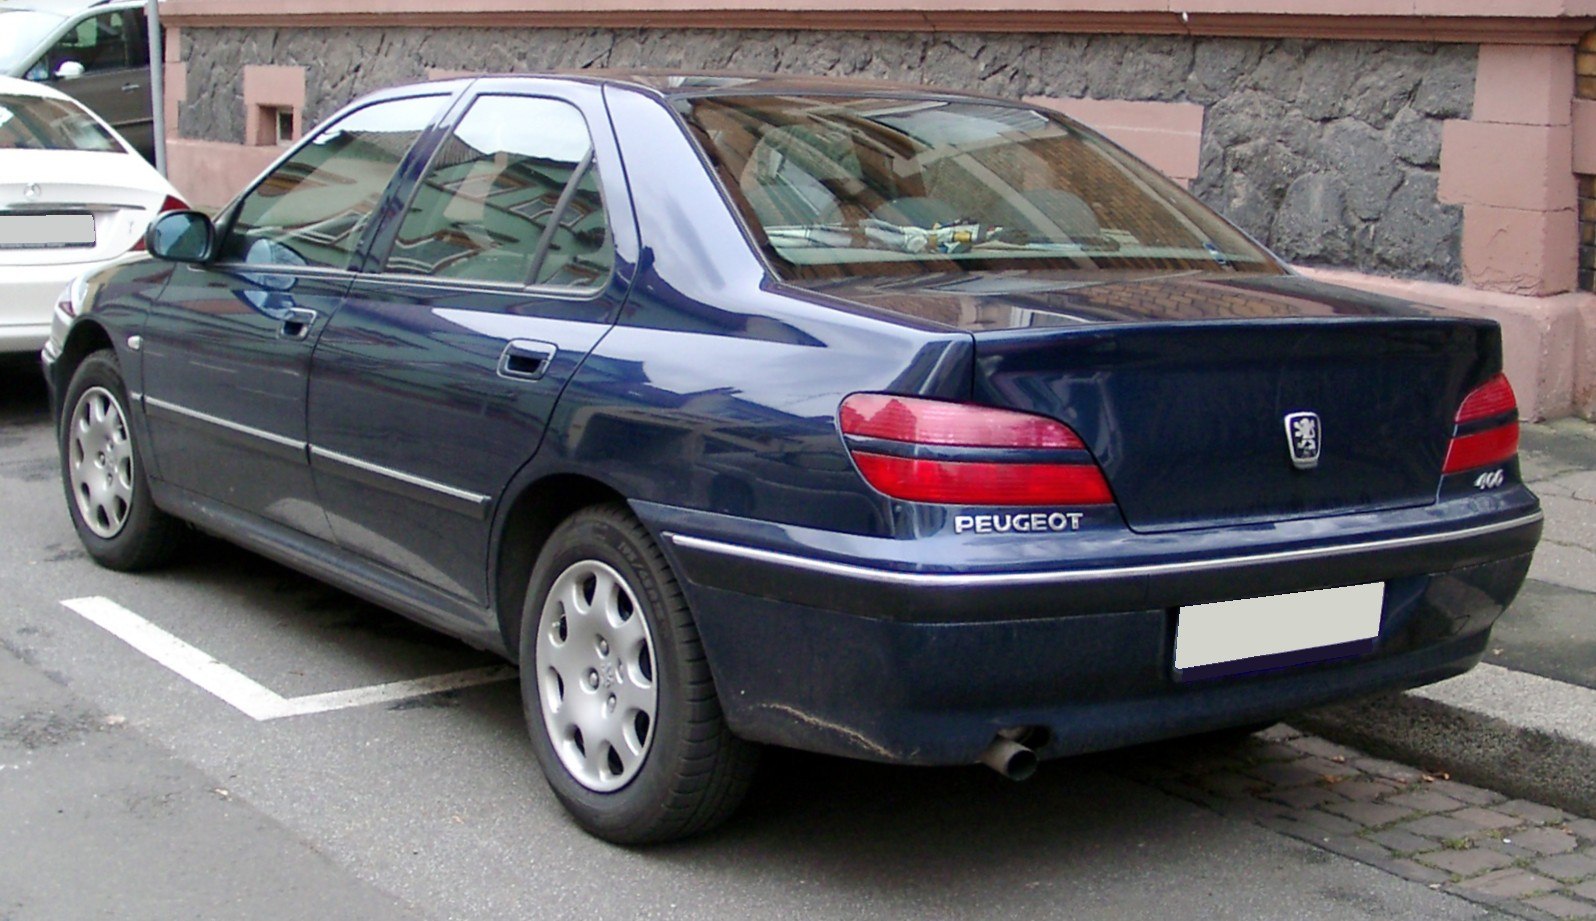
(31, 191)
(1303, 435)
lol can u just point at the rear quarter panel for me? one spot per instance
(718, 389)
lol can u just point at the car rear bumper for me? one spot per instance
(22, 337)
(927, 667)
(27, 301)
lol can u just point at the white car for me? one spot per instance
(73, 196)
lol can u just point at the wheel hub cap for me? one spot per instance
(100, 462)
(596, 687)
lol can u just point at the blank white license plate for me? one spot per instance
(1277, 631)
(43, 231)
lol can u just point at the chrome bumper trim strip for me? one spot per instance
(1068, 576)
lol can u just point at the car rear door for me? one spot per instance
(432, 386)
(227, 347)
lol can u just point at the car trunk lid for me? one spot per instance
(1189, 392)
(1199, 424)
(61, 207)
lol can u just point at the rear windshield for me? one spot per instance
(837, 187)
(35, 123)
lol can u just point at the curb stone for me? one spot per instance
(1520, 734)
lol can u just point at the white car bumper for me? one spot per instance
(27, 300)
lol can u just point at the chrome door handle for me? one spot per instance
(526, 359)
(297, 324)
(130, 87)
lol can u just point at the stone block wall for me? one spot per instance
(1328, 152)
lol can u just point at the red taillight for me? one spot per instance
(983, 482)
(1492, 398)
(1493, 445)
(928, 422)
(968, 480)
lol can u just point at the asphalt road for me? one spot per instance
(130, 792)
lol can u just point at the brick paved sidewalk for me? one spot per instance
(1528, 860)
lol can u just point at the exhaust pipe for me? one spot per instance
(1009, 758)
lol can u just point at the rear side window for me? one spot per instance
(36, 123)
(512, 197)
(313, 208)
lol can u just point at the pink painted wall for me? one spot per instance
(1511, 167)
(210, 174)
(269, 88)
(1585, 361)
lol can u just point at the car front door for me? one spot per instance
(433, 384)
(103, 61)
(227, 348)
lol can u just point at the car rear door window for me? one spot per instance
(512, 197)
(313, 208)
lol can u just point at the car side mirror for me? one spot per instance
(69, 70)
(181, 236)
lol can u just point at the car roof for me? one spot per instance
(15, 86)
(685, 83)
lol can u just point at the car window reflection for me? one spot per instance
(314, 207)
(512, 197)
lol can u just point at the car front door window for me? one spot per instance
(313, 208)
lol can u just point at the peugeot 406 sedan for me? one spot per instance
(877, 421)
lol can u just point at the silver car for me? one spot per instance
(96, 51)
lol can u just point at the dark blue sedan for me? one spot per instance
(878, 421)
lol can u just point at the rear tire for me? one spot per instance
(617, 694)
(108, 496)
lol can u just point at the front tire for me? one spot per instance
(107, 493)
(617, 694)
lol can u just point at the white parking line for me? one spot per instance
(247, 695)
